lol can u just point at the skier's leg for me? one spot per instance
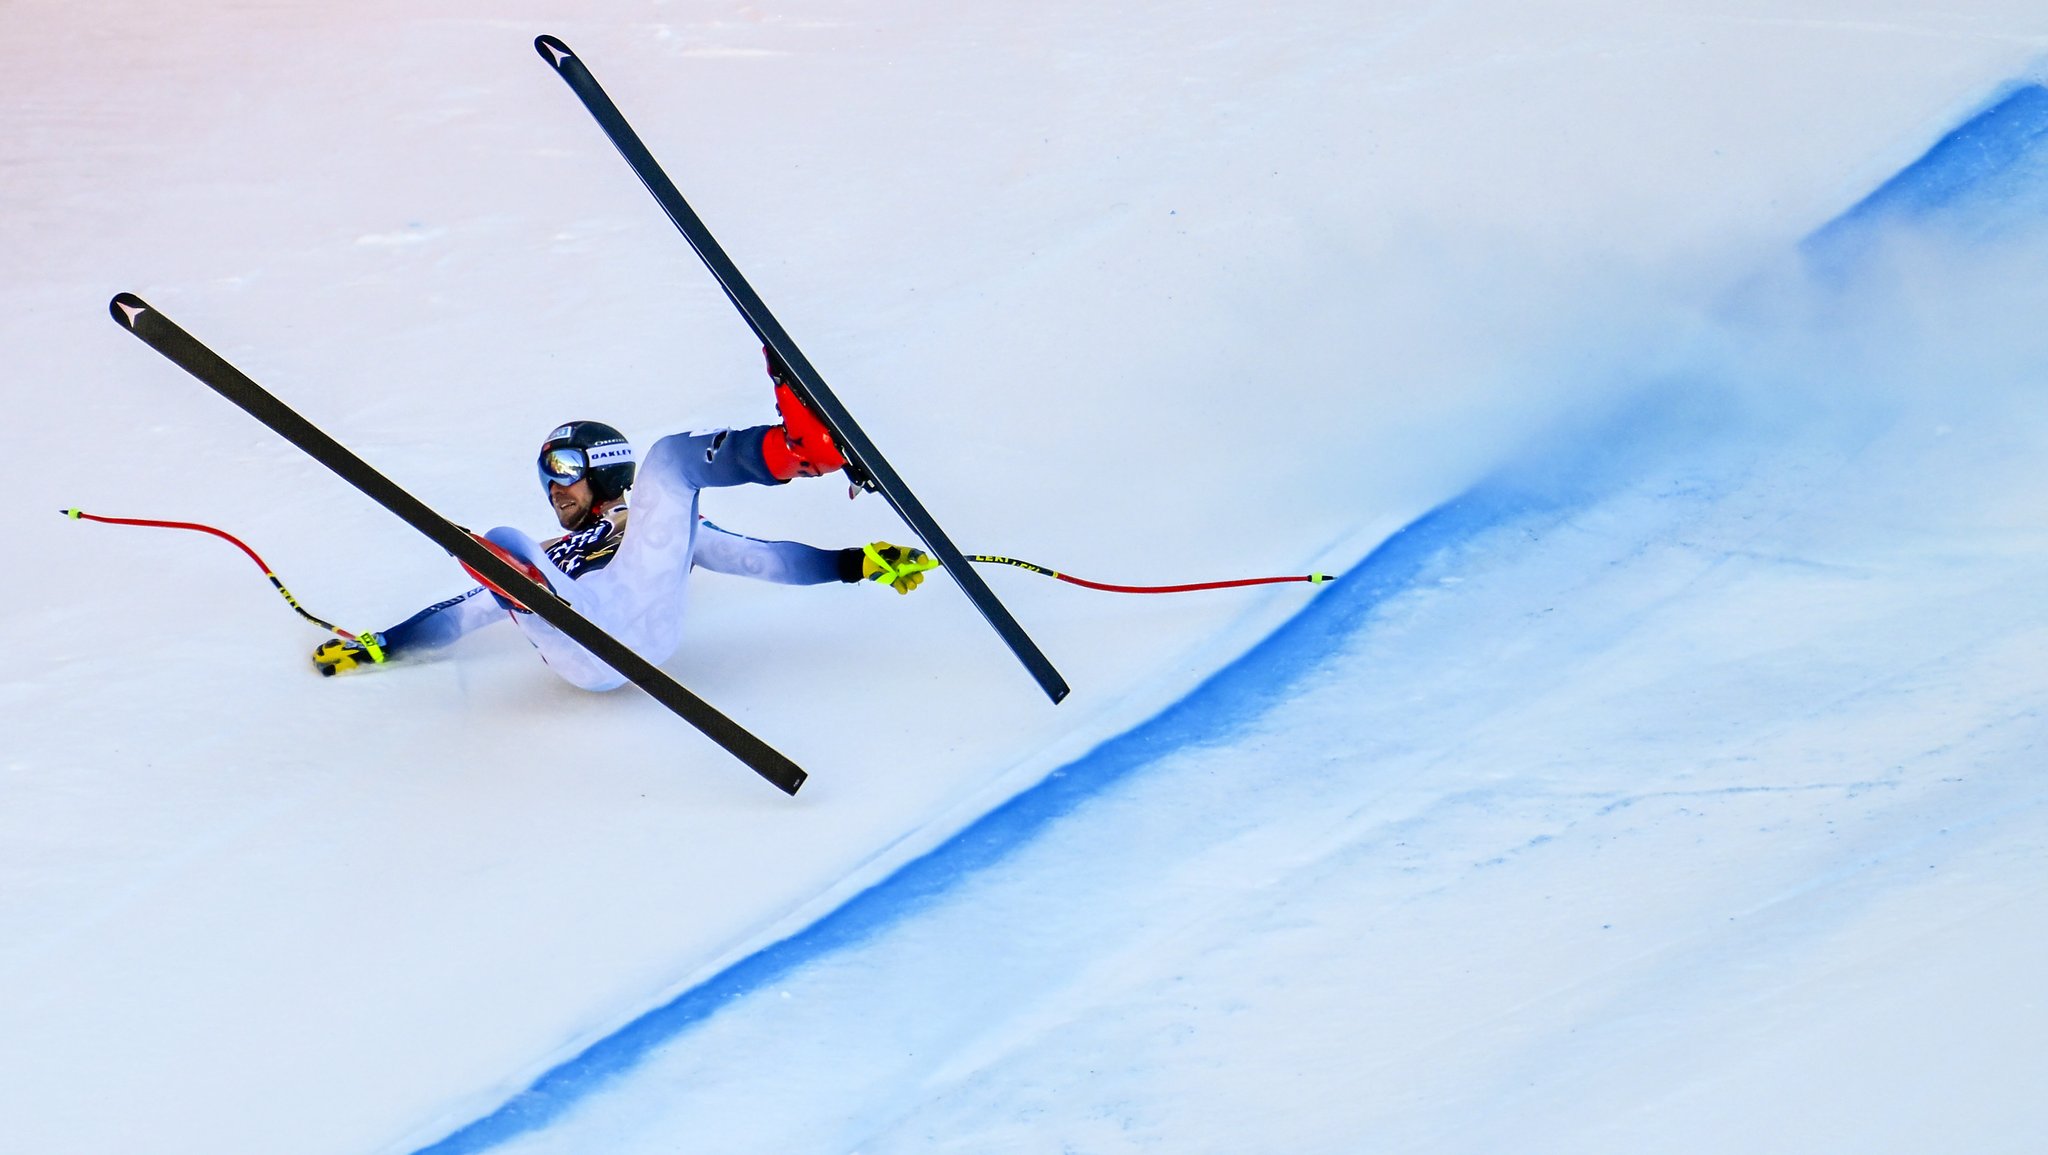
(714, 458)
(576, 665)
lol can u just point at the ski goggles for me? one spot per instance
(565, 466)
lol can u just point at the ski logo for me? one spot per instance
(553, 50)
(128, 308)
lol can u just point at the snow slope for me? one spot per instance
(1148, 292)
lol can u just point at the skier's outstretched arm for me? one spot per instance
(794, 563)
(789, 563)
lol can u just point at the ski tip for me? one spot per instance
(126, 307)
(552, 50)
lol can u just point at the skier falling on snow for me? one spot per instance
(634, 586)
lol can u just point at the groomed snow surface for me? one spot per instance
(1661, 775)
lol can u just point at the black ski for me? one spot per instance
(185, 351)
(866, 464)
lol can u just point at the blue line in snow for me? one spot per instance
(1996, 164)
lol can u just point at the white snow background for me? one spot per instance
(1662, 776)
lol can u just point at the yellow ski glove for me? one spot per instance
(336, 656)
(897, 566)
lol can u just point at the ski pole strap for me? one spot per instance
(883, 571)
(375, 651)
(994, 559)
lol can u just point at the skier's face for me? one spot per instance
(572, 503)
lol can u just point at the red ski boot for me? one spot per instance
(801, 446)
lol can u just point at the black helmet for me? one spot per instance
(590, 449)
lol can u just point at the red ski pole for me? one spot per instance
(368, 641)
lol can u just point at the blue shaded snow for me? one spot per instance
(1982, 180)
(1979, 183)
